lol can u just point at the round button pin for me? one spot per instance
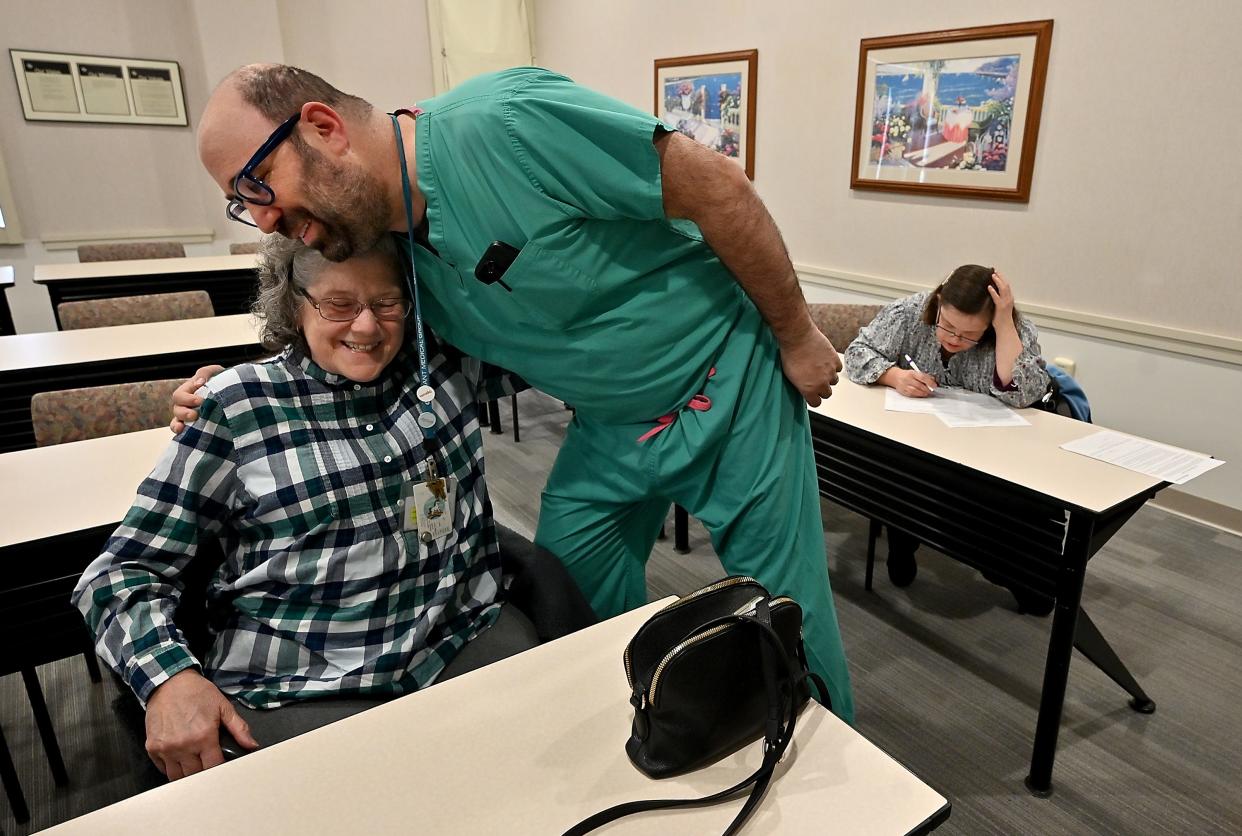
(426, 420)
(426, 394)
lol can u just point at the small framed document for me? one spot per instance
(103, 89)
(63, 87)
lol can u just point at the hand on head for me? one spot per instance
(1002, 299)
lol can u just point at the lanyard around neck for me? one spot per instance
(411, 276)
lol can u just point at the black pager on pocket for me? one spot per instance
(495, 261)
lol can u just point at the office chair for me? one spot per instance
(128, 310)
(96, 411)
(130, 251)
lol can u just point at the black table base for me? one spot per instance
(1012, 533)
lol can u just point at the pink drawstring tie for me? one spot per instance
(699, 403)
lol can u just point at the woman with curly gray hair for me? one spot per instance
(339, 587)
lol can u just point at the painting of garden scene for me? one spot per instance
(706, 108)
(945, 113)
(711, 99)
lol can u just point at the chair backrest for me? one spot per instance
(127, 310)
(244, 249)
(95, 411)
(840, 323)
(126, 252)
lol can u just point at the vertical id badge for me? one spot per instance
(427, 507)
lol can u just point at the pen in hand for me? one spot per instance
(910, 362)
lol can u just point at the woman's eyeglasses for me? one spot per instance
(956, 335)
(347, 310)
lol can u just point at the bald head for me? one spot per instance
(252, 100)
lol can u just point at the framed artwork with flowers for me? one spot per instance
(953, 113)
(711, 99)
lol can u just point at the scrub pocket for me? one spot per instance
(548, 287)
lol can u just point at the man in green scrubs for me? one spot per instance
(609, 261)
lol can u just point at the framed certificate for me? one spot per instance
(62, 87)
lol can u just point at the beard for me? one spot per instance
(348, 203)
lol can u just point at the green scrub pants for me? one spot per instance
(743, 467)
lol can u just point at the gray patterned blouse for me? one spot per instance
(897, 330)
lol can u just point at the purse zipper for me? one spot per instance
(727, 582)
(695, 639)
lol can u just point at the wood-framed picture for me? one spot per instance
(711, 99)
(952, 113)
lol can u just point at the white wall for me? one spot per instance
(98, 178)
(376, 49)
(1133, 213)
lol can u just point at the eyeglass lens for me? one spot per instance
(345, 310)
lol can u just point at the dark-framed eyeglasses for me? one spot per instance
(335, 309)
(250, 189)
(954, 334)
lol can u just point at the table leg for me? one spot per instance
(7, 328)
(873, 534)
(12, 786)
(1060, 650)
(43, 720)
(1092, 644)
(493, 417)
(681, 530)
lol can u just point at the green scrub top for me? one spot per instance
(610, 306)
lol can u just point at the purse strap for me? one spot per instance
(782, 716)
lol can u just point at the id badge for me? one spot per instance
(427, 507)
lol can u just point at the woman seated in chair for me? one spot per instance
(966, 333)
(313, 471)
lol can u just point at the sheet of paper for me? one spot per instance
(1172, 464)
(957, 408)
(894, 401)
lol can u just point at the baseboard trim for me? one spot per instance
(1222, 517)
(1145, 335)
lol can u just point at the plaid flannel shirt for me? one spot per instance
(299, 473)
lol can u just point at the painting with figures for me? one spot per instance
(711, 99)
(952, 113)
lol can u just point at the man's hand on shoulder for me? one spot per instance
(811, 364)
(185, 403)
(184, 715)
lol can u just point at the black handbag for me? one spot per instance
(708, 674)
